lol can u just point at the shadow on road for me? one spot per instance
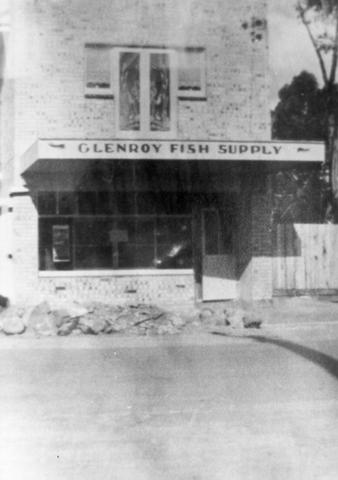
(328, 363)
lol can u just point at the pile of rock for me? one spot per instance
(140, 319)
(12, 321)
(99, 318)
(93, 319)
(232, 316)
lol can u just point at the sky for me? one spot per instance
(290, 48)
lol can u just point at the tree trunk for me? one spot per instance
(332, 165)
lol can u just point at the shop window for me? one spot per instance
(115, 242)
(98, 70)
(114, 230)
(146, 92)
(191, 73)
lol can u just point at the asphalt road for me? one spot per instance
(260, 407)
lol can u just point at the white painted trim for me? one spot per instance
(218, 150)
(115, 273)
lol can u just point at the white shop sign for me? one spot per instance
(181, 150)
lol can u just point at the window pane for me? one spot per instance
(174, 256)
(190, 71)
(129, 91)
(135, 256)
(138, 250)
(174, 243)
(45, 245)
(124, 203)
(104, 203)
(61, 243)
(67, 203)
(145, 231)
(211, 233)
(226, 231)
(50, 243)
(172, 203)
(92, 232)
(173, 230)
(159, 92)
(147, 202)
(90, 257)
(98, 67)
(123, 176)
(47, 203)
(87, 202)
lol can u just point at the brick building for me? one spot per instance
(135, 151)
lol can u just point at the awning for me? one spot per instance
(217, 150)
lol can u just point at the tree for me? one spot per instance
(300, 194)
(300, 113)
(320, 18)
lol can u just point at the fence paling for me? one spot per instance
(305, 257)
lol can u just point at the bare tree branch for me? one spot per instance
(334, 52)
(301, 11)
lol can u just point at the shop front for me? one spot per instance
(131, 220)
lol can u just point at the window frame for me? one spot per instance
(99, 92)
(186, 94)
(72, 223)
(174, 56)
(56, 220)
(145, 130)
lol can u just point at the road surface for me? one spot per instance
(212, 407)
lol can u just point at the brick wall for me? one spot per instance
(24, 248)
(255, 239)
(50, 64)
(117, 289)
(47, 100)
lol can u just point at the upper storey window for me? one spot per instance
(146, 91)
(98, 71)
(146, 83)
(191, 73)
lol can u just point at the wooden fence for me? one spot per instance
(305, 257)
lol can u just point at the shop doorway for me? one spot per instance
(218, 260)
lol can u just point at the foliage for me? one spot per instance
(296, 195)
(300, 194)
(320, 18)
(300, 113)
